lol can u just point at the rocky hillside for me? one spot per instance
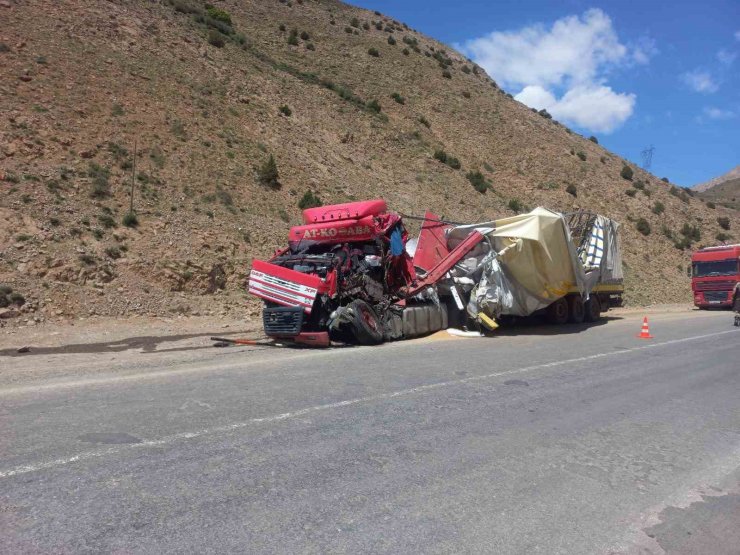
(733, 174)
(723, 190)
(350, 104)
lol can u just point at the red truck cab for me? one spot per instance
(715, 277)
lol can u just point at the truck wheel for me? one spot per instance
(593, 309)
(576, 309)
(366, 326)
(557, 312)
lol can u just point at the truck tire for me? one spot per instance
(576, 309)
(557, 312)
(366, 326)
(593, 309)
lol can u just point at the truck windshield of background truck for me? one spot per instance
(727, 267)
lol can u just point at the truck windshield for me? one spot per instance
(727, 267)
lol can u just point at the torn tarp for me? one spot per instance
(528, 262)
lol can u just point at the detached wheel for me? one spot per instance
(366, 326)
(593, 309)
(576, 309)
(557, 312)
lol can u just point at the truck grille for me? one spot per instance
(282, 320)
(715, 286)
(713, 296)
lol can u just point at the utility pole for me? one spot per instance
(133, 182)
(647, 157)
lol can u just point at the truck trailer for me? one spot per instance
(351, 273)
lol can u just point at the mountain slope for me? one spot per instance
(734, 173)
(88, 83)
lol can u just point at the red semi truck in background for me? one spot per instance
(715, 277)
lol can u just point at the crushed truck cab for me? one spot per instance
(350, 273)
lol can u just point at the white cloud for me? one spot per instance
(562, 68)
(700, 81)
(718, 113)
(643, 50)
(725, 57)
(597, 108)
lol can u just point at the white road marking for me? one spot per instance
(25, 469)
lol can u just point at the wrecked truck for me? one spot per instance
(351, 273)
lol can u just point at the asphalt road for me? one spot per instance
(571, 440)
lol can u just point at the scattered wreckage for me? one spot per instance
(350, 273)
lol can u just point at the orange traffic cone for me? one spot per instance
(645, 332)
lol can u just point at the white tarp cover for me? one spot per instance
(534, 263)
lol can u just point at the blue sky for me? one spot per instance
(665, 74)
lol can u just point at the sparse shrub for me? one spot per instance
(305, 35)
(643, 226)
(545, 114)
(391, 40)
(117, 110)
(310, 46)
(466, 94)
(268, 173)
(424, 121)
(603, 159)
(216, 38)
(446, 74)
(454, 163)
(626, 173)
(5, 289)
(571, 190)
(373, 52)
(309, 200)
(283, 215)
(282, 27)
(100, 176)
(405, 51)
(478, 181)
(639, 184)
(724, 222)
(398, 98)
(593, 139)
(157, 156)
(630, 192)
(107, 221)
(55, 222)
(177, 127)
(664, 180)
(354, 22)
(374, 106)
(691, 232)
(285, 110)
(679, 193)
(722, 237)
(87, 259)
(98, 233)
(130, 219)
(581, 155)
(658, 208)
(515, 205)
(293, 40)
(16, 299)
(665, 230)
(218, 14)
(711, 205)
(113, 252)
(366, 25)
(465, 69)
